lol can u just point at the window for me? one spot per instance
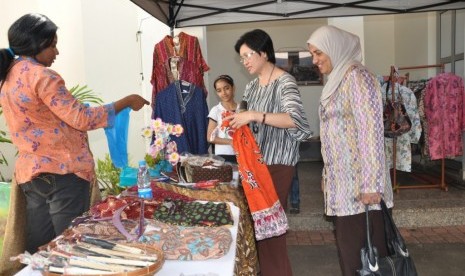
(300, 65)
(451, 40)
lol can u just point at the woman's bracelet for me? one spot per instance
(264, 117)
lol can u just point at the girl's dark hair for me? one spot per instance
(225, 78)
(27, 36)
(259, 41)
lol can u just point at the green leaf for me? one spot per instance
(108, 176)
(85, 95)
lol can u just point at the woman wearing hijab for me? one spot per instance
(352, 144)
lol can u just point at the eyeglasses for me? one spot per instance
(246, 57)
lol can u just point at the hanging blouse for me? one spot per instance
(403, 145)
(419, 88)
(190, 63)
(444, 114)
(184, 103)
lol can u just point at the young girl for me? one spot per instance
(219, 133)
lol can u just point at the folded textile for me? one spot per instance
(176, 242)
(184, 213)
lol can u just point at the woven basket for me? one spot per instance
(144, 271)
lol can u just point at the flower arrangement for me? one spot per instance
(163, 153)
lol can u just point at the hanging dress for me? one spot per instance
(444, 114)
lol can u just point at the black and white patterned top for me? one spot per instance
(278, 145)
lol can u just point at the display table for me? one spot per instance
(244, 256)
(223, 266)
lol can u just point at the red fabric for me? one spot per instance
(107, 207)
(267, 213)
(191, 65)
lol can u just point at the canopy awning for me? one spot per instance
(185, 13)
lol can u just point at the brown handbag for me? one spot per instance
(197, 173)
(203, 169)
(395, 118)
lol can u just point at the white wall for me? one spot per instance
(111, 55)
(100, 46)
(411, 44)
(379, 43)
(105, 44)
(70, 63)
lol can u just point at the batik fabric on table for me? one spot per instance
(246, 261)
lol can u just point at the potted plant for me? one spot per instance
(108, 176)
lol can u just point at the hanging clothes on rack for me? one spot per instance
(444, 99)
(404, 141)
(184, 103)
(419, 88)
(179, 93)
(403, 80)
(186, 57)
(442, 185)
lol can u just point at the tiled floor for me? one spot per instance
(446, 234)
(420, 214)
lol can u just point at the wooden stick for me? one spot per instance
(119, 253)
(120, 261)
(77, 270)
(77, 261)
(111, 245)
(79, 250)
(124, 248)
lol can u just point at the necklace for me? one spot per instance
(255, 125)
(271, 74)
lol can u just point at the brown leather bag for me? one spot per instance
(395, 118)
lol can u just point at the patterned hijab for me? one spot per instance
(344, 50)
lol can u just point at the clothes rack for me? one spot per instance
(442, 185)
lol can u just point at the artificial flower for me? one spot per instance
(162, 148)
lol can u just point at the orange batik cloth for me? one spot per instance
(267, 213)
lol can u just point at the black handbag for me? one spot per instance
(395, 118)
(398, 262)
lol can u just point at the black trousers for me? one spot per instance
(351, 237)
(53, 201)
